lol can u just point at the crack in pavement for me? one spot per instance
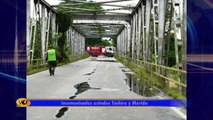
(92, 71)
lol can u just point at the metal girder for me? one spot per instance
(123, 6)
(47, 5)
(139, 56)
(90, 31)
(28, 35)
(143, 30)
(155, 24)
(53, 26)
(101, 17)
(161, 41)
(76, 42)
(89, 27)
(86, 3)
(138, 6)
(133, 36)
(43, 32)
(148, 42)
(92, 10)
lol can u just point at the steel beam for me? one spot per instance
(155, 24)
(184, 34)
(28, 29)
(143, 34)
(139, 34)
(129, 41)
(101, 17)
(43, 32)
(148, 42)
(161, 42)
(53, 26)
(133, 36)
(47, 5)
(92, 10)
(47, 30)
(89, 3)
(75, 12)
(34, 27)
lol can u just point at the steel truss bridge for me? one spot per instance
(141, 31)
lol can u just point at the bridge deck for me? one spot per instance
(103, 73)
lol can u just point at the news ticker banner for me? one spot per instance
(23, 102)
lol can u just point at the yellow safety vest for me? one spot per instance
(51, 55)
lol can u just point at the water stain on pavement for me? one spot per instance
(61, 112)
(141, 86)
(122, 67)
(72, 97)
(81, 87)
(105, 61)
(125, 70)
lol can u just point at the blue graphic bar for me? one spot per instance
(108, 103)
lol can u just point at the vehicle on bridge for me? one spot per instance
(95, 51)
(110, 51)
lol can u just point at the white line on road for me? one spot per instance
(176, 110)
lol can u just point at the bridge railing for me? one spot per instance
(173, 75)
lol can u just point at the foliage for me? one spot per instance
(37, 44)
(114, 41)
(95, 8)
(170, 53)
(64, 20)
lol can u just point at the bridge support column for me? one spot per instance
(143, 33)
(47, 29)
(161, 42)
(136, 34)
(53, 26)
(148, 40)
(76, 42)
(133, 36)
(43, 33)
(28, 28)
(139, 56)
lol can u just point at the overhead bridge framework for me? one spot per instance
(141, 33)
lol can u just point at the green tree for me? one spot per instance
(64, 20)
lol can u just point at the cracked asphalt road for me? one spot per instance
(98, 73)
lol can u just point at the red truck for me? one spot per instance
(96, 50)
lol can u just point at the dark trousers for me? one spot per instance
(52, 65)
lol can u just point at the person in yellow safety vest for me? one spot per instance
(52, 58)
